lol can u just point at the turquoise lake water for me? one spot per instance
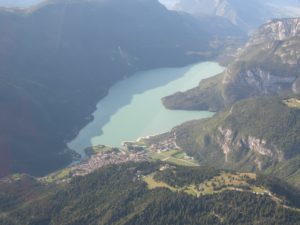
(133, 107)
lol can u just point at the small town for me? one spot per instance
(131, 151)
(102, 159)
(164, 146)
(98, 157)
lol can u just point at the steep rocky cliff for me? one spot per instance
(268, 64)
(254, 135)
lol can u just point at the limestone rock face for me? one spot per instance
(249, 145)
(278, 30)
(257, 134)
(269, 63)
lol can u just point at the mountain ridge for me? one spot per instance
(258, 134)
(266, 65)
(120, 195)
(59, 60)
(239, 13)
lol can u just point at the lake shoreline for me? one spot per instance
(150, 119)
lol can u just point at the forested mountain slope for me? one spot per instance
(123, 195)
(60, 58)
(260, 134)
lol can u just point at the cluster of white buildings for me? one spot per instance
(165, 145)
(107, 158)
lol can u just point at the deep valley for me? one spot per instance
(130, 112)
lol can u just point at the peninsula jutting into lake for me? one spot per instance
(133, 106)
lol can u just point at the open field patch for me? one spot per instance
(177, 157)
(292, 103)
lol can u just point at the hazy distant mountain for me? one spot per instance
(59, 60)
(246, 14)
(267, 65)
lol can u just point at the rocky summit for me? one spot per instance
(268, 64)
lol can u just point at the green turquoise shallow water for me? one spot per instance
(133, 107)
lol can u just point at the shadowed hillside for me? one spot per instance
(59, 59)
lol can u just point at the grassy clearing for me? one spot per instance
(182, 162)
(224, 182)
(152, 184)
(229, 181)
(163, 156)
(292, 103)
(174, 156)
(16, 176)
(58, 176)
